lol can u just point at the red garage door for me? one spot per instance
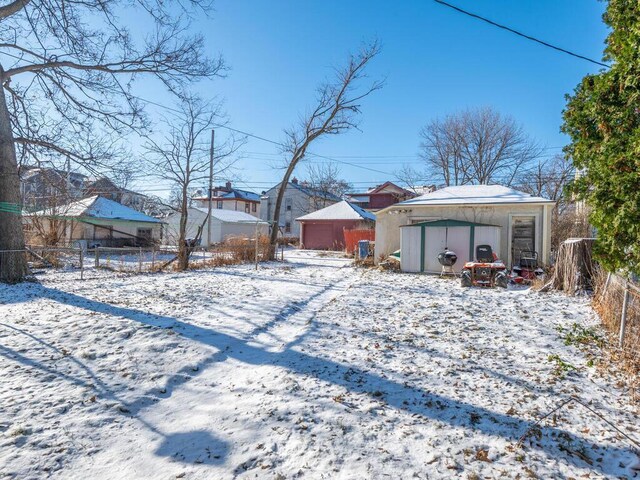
(320, 236)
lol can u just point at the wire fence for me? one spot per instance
(87, 263)
(617, 301)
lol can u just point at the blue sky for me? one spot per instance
(435, 61)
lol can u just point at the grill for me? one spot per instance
(447, 258)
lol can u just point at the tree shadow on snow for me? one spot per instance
(194, 447)
(402, 396)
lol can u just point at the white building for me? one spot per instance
(222, 225)
(524, 220)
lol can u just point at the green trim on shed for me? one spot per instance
(422, 252)
(448, 223)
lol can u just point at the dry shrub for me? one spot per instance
(236, 250)
(607, 301)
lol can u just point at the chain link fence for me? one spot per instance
(617, 301)
(85, 263)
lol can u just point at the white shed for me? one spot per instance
(420, 243)
(223, 224)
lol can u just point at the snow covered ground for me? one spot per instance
(307, 369)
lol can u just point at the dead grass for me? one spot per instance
(608, 303)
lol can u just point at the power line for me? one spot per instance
(524, 35)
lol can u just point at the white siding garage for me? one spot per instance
(223, 224)
(421, 243)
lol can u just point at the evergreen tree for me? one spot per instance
(602, 118)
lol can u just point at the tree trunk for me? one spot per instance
(183, 250)
(276, 212)
(13, 265)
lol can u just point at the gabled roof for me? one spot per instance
(242, 195)
(474, 195)
(100, 208)
(339, 211)
(231, 216)
(386, 186)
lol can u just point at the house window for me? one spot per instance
(287, 227)
(254, 207)
(219, 205)
(247, 207)
(288, 204)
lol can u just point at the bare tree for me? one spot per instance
(549, 179)
(414, 179)
(336, 111)
(67, 70)
(325, 182)
(478, 146)
(182, 157)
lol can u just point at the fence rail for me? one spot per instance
(96, 261)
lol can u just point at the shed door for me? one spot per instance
(438, 238)
(523, 235)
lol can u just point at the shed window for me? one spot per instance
(254, 207)
(219, 205)
(247, 207)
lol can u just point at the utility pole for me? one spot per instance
(213, 133)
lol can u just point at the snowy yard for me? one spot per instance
(311, 369)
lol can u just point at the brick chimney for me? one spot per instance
(294, 181)
(228, 185)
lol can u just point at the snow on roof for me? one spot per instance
(231, 216)
(474, 194)
(100, 207)
(242, 194)
(339, 211)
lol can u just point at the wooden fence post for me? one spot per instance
(623, 318)
(96, 251)
(81, 263)
(140, 261)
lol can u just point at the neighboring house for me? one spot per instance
(524, 220)
(222, 225)
(43, 187)
(324, 229)
(97, 220)
(299, 199)
(381, 196)
(105, 188)
(228, 198)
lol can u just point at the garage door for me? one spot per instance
(318, 236)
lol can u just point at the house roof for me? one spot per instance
(339, 211)
(241, 195)
(100, 208)
(388, 187)
(475, 195)
(234, 194)
(231, 216)
(385, 188)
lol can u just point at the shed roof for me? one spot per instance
(448, 222)
(475, 195)
(339, 211)
(100, 208)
